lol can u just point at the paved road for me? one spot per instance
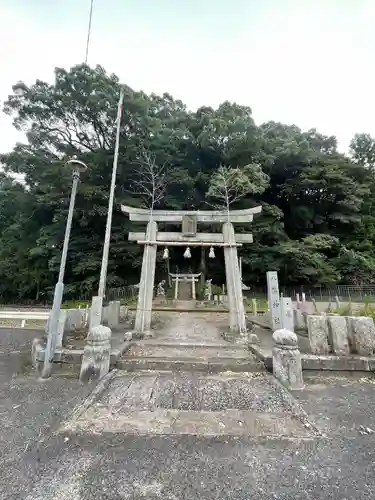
(29, 409)
(46, 455)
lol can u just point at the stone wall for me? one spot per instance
(341, 335)
(73, 320)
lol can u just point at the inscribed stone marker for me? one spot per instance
(274, 299)
(189, 225)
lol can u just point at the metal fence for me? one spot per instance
(324, 294)
(345, 293)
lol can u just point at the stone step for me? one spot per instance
(190, 364)
(183, 403)
(203, 352)
(197, 423)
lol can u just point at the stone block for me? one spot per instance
(286, 359)
(75, 319)
(114, 314)
(335, 363)
(338, 334)
(254, 307)
(96, 354)
(124, 312)
(105, 315)
(61, 327)
(36, 347)
(299, 319)
(96, 312)
(317, 329)
(287, 319)
(363, 335)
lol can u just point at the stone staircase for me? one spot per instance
(156, 403)
(184, 290)
(189, 341)
(200, 357)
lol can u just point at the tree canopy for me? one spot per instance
(317, 226)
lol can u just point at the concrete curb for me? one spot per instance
(74, 356)
(322, 362)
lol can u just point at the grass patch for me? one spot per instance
(31, 324)
(367, 310)
(76, 304)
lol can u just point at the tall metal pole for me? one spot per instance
(59, 288)
(89, 31)
(107, 238)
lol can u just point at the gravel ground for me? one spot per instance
(30, 409)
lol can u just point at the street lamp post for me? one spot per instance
(79, 166)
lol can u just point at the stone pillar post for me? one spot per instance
(287, 319)
(96, 354)
(193, 288)
(255, 308)
(146, 286)
(286, 359)
(176, 288)
(114, 314)
(61, 328)
(96, 312)
(237, 320)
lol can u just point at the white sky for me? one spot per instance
(307, 62)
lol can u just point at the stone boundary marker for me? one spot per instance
(342, 335)
(286, 359)
(71, 320)
(96, 354)
(337, 343)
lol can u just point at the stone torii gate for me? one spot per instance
(189, 237)
(191, 278)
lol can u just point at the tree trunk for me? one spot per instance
(37, 289)
(203, 268)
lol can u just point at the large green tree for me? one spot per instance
(317, 224)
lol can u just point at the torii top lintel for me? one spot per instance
(176, 216)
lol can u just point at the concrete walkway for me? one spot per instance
(189, 342)
(192, 328)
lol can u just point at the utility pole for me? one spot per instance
(97, 302)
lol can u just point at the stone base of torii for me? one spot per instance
(189, 237)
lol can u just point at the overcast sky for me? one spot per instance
(307, 62)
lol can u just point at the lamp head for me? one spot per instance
(79, 165)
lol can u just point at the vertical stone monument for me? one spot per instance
(274, 299)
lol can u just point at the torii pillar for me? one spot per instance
(237, 318)
(146, 285)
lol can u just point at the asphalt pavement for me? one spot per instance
(43, 457)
